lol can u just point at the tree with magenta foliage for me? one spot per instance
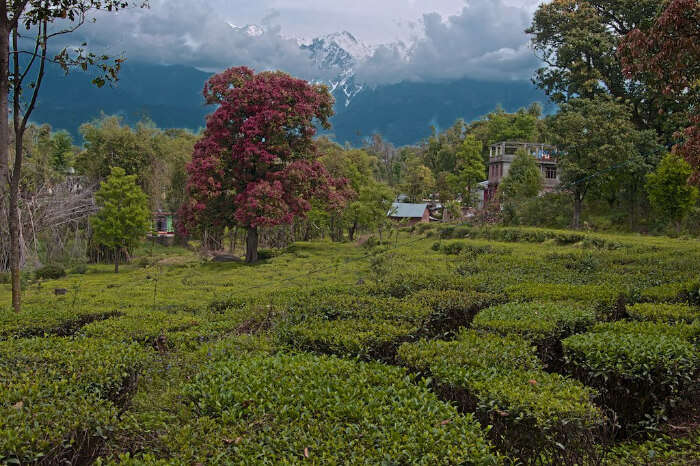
(257, 164)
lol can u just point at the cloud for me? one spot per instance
(486, 40)
(483, 40)
(177, 32)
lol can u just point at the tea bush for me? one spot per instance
(545, 324)
(664, 312)
(533, 413)
(689, 332)
(61, 397)
(285, 408)
(639, 375)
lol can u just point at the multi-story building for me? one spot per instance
(501, 155)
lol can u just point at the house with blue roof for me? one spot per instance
(409, 213)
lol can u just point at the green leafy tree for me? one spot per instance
(670, 195)
(419, 180)
(470, 167)
(524, 179)
(123, 217)
(594, 137)
(61, 150)
(522, 183)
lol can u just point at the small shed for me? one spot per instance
(412, 213)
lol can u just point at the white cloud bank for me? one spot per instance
(484, 39)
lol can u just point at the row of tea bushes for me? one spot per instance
(372, 327)
(49, 320)
(544, 324)
(640, 368)
(60, 398)
(288, 409)
(664, 312)
(608, 302)
(527, 235)
(535, 416)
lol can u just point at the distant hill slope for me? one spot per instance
(171, 97)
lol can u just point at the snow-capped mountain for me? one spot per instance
(339, 53)
(251, 30)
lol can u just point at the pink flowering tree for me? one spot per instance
(257, 164)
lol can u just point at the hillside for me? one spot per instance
(171, 97)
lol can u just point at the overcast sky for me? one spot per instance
(445, 39)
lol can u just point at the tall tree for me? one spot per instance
(257, 164)
(594, 137)
(124, 217)
(669, 192)
(470, 167)
(38, 22)
(578, 40)
(666, 57)
(419, 180)
(524, 179)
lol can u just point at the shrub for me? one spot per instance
(362, 338)
(545, 324)
(80, 269)
(4, 278)
(608, 302)
(638, 375)
(663, 312)
(436, 246)
(533, 413)
(60, 397)
(451, 309)
(284, 408)
(264, 254)
(49, 272)
(689, 332)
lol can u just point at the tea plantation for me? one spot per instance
(449, 345)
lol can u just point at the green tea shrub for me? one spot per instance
(401, 284)
(663, 312)
(366, 339)
(285, 408)
(143, 327)
(608, 302)
(535, 416)
(687, 331)
(453, 248)
(638, 375)
(436, 246)
(49, 272)
(451, 309)
(61, 398)
(676, 292)
(53, 321)
(545, 324)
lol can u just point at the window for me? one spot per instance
(550, 173)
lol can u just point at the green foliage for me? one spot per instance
(123, 217)
(50, 272)
(594, 136)
(523, 180)
(326, 409)
(686, 331)
(501, 380)
(536, 321)
(664, 312)
(419, 180)
(61, 397)
(470, 168)
(669, 192)
(639, 374)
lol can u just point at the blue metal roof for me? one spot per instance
(405, 210)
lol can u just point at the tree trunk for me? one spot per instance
(251, 245)
(578, 201)
(351, 231)
(116, 260)
(4, 103)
